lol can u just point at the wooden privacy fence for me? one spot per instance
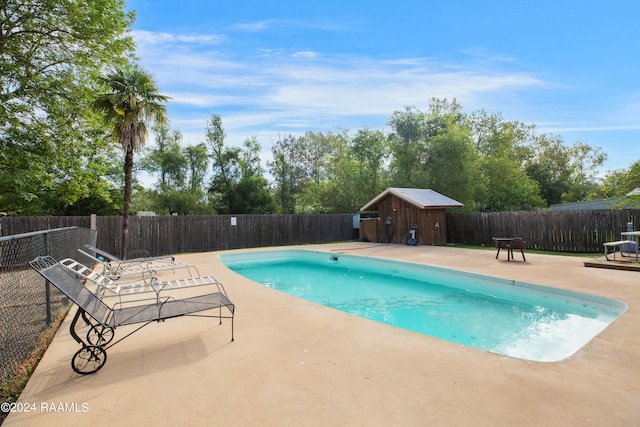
(179, 234)
(563, 231)
(160, 235)
(11, 225)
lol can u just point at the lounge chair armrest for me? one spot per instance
(150, 276)
(157, 285)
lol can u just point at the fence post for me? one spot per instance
(47, 287)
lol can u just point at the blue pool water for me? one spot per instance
(503, 316)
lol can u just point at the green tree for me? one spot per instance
(250, 194)
(325, 187)
(238, 185)
(549, 167)
(502, 184)
(179, 202)
(369, 149)
(101, 196)
(225, 165)
(167, 158)
(328, 172)
(433, 150)
(620, 183)
(564, 173)
(452, 169)
(585, 162)
(198, 161)
(182, 171)
(131, 101)
(408, 148)
(288, 171)
(249, 157)
(51, 53)
(169, 161)
(505, 187)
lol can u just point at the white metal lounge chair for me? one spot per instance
(103, 320)
(117, 266)
(139, 266)
(109, 257)
(106, 287)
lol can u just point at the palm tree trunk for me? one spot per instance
(128, 183)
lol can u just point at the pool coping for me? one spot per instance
(298, 363)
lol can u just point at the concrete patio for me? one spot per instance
(297, 363)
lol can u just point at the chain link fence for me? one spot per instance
(27, 303)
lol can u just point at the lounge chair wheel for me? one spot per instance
(88, 360)
(100, 335)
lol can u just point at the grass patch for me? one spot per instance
(11, 389)
(533, 251)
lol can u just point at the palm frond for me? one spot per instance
(130, 103)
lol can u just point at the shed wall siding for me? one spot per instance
(403, 214)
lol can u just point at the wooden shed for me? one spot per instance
(406, 215)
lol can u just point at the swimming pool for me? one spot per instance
(511, 318)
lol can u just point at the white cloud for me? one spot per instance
(564, 127)
(253, 26)
(306, 54)
(318, 24)
(270, 91)
(150, 37)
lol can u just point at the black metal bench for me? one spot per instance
(102, 320)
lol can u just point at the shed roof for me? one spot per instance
(422, 198)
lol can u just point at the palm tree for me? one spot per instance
(130, 104)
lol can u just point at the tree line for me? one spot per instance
(70, 88)
(479, 159)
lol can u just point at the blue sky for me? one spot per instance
(272, 68)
